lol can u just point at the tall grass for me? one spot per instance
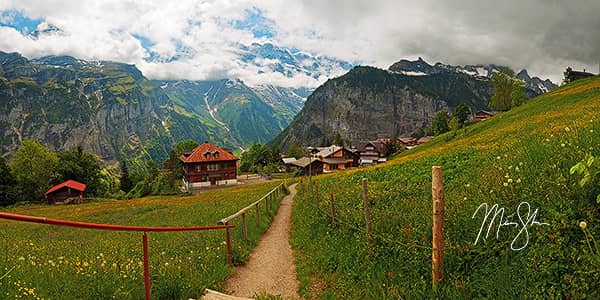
(519, 156)
(42, 261)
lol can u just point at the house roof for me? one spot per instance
(328, 151)
(304, 161)
(69, 183)
(485, 112)
(207, 153)
(288, 160)
(407, 140)
(362, 146)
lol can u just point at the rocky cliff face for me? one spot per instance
(369, 103)
(102, 107)
(360, 114)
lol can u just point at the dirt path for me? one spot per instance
(271, 267)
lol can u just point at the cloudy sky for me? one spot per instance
(194, 39)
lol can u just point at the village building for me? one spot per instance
(576, 75)
(337, 158)
(285, 164)
(483, 115)
(208, 165)
(308, 166)
(69, 189)
(370, 153)
(407, 142)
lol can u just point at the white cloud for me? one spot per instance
(542, 36)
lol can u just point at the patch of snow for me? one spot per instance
(542, 87)
(482, 72)
(164, 86)
(470, 73)
(213, 111)
(412, 73)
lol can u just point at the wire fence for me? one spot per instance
(309, 192)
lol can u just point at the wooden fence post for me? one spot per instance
(267, 204)
(367, 211)
(332, 206)
(257, 215)
(301, 186)
(244, 227)
(437, 190)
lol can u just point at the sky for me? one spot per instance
(201, 40)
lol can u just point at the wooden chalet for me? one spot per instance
(337, 158)
(483, 115)
(208, 165)
(69, 189)
(369, 152)
(309, 166)
(576, 75)
(407, 141)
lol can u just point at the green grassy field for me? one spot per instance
(524, 155)
(39, 261)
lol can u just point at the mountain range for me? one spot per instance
(369, 103)
(112, 110)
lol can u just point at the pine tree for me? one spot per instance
(7, 184)
(126, 183)
(440, 122)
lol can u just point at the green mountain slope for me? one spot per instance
(112, 110)
(518, 158)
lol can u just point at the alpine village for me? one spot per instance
(237, 151)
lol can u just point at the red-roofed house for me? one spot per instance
(208, 165)
(65, 190)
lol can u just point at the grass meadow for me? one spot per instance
(39, 261)
(521, 156)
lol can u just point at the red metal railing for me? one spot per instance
(143, 229)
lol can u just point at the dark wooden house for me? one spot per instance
(66, 190)
(337, 158)
(369, 152)
(309, 166)
(483, 115)
(208, 165)
(576, 75)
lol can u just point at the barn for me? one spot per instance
(68, 189)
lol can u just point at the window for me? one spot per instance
(212, 167)
(207, 155)
(216, 154)
(197, 168)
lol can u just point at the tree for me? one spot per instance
(184, 146)
(502, 85)
(80, 166)
(453, 124)
(517, 96)
(126, 183)
(34, 169)
(294, 151)
(258, 156)
(7, 184)
(440, 122)
(462, 113)
(337, 140)
(507, 90)
(567, 75)
(174, 164)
